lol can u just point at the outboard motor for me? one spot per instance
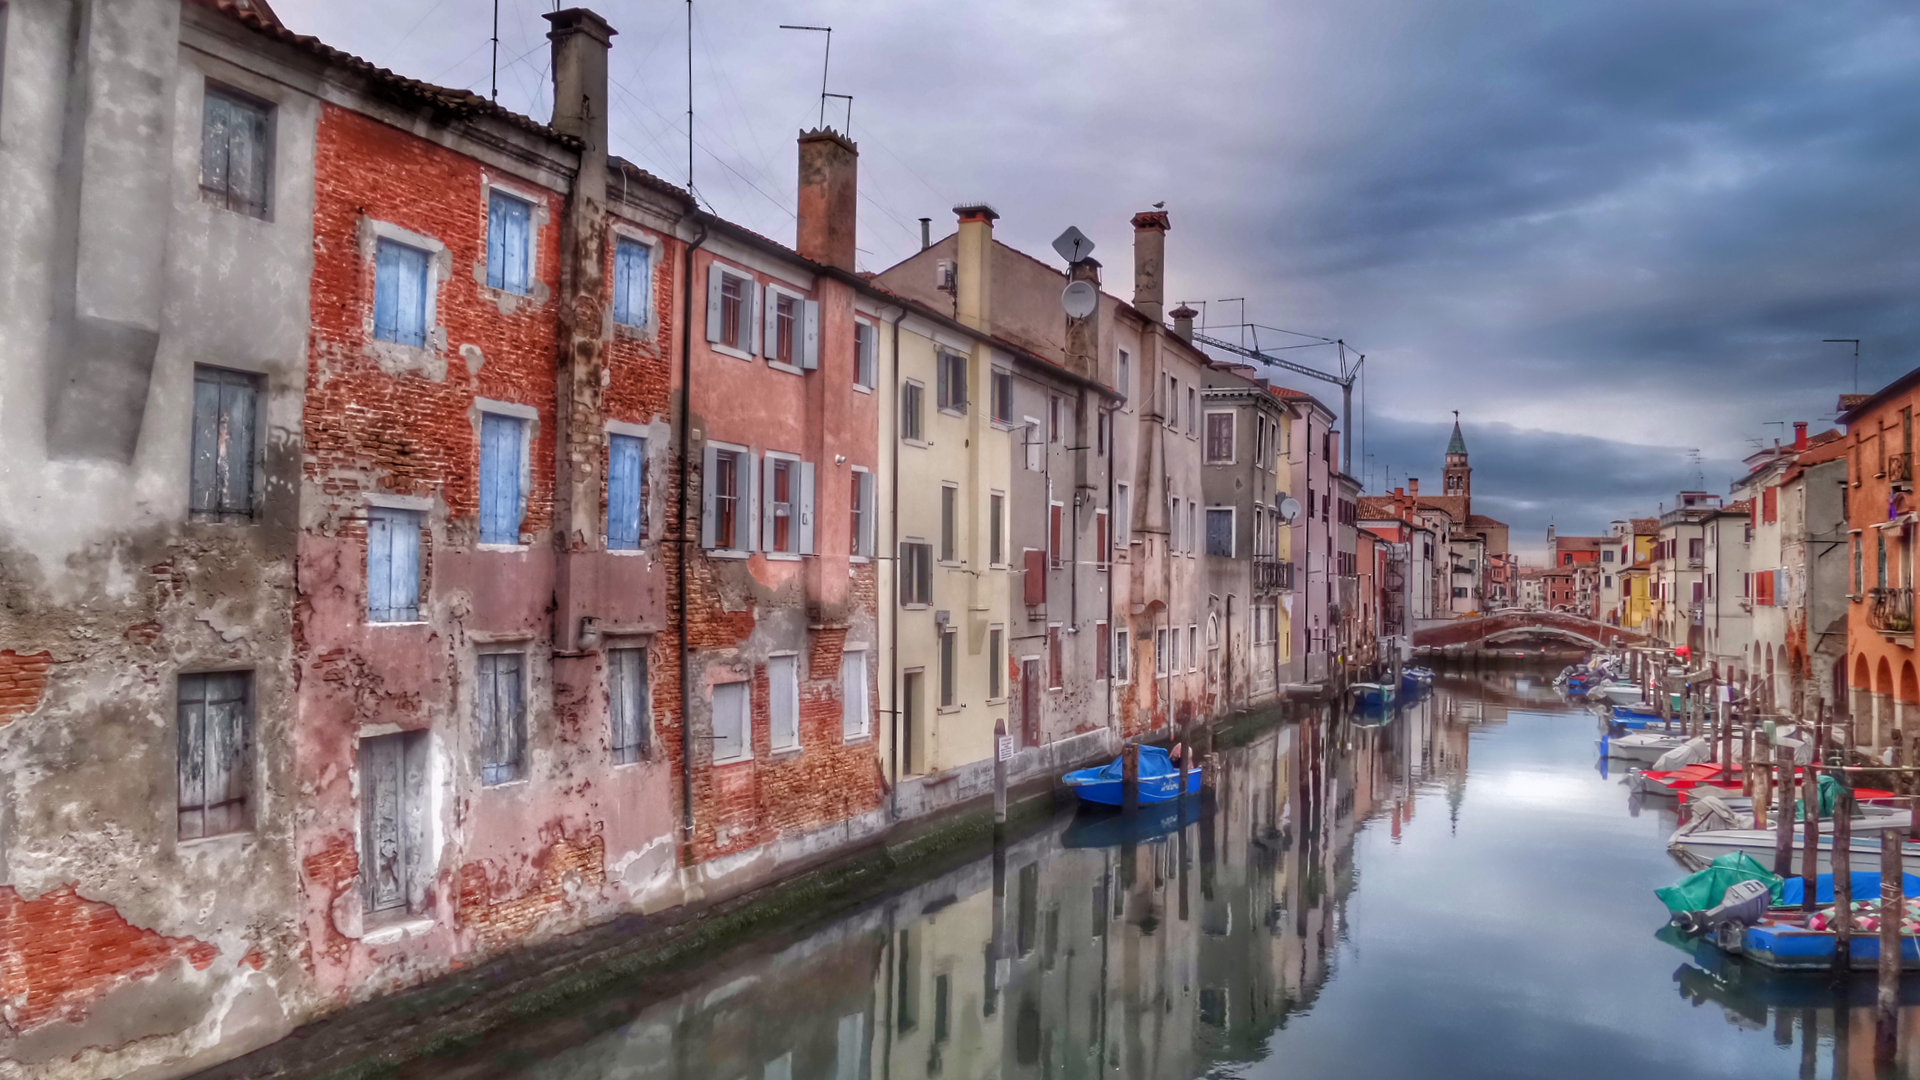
(1742, 905)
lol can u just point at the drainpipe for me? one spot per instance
(893, 542)
(686, 544)
(1113, 568)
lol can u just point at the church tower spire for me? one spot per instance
(1458, 477)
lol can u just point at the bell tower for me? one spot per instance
(1458, 476)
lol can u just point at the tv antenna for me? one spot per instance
(1351, 363)
(1699, 473)
(825, 59)
(493, 88)
(1855, 342)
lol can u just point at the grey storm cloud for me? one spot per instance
(1608, 231)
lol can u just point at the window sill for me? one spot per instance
(952, 412)
(390, 933)
(948, 710)
(1002, 425)
(915, 607)
(728, 553)
(746, 759)
(728, 350)
(784, 556)
(1001, 700)
(237, 836)
(518, 781)
(784, 753)
(953, 564)
(630, 552)
(501, 547)
(862, 388)
(639, 331)
(399, 622)
(921, 443)
(859, 558)
(857, 739)
(496, 291)
(782, 365)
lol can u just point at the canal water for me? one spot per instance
(1462, 892)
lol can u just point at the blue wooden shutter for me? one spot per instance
(501, 442)
(632, 282)
(236, 441)
(400, 294)
(393, 565)
(626, 459)
(508, 248)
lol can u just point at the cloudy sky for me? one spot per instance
(1610, 233)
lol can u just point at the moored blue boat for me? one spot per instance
(1159, 780)
(1369, 695)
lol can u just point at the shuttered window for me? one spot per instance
(949, 523)
(1056, 539)
(730, 721)
(214, 714)
(393, 781)
(854, 708)
(1102, 651)
(501, 697)
(1219, 438)
(393, 565)
(509, 242)
(1220, 532)
(953, 382)
(996, 662)
(626, 491)
(236, 152)
(916, 573)
(503, 447)
(1122, 655)
(866, 363)
(632, 282)
(783, 702)
(1056, 665)
(400, 293)
(1102, 543)
(729, 515)
(861, 524)
(1000, 396)
(949, 661)
(996, 529)
(225, 415)
(630, 705)
(910, 407)
(787, 513)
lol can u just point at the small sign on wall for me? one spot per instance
(1006, 748)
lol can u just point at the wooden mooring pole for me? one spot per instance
(1810, 816)
(999, 782)
(1886, 1013)
(1843, 882)
(1130, 778)
(1783, 809)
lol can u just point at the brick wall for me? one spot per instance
(61, 951)
(23, 679)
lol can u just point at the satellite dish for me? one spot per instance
(1073, 245)
(1289, 509)
(1079, 298)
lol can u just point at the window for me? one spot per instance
(949, 637)
(632, 282)
(1102, 425)
(1173, 524)
(727, 491)
(1858, 549)
(866, 354)
(1219, 438)
(1193, 647)
(1607, 555)
(916, 573)
(1122, 516)
(1102, 549)
(996, 662)
(1056, 665)
(392, 841)
(952, 382)
(1193, 410)
(1160, 651)
(1056, 539)
(400, 293)
(1173, 402)
(1122, 655)
(731, 702)
(1696, 548)
(626, 491)
(730, 309)
(1102, 650)
(996, 529)
(214, 712)
(1000, 395)
(855, 713)
(501, 697)
(225, 408)
(1880, 572)
(393, 565)
(1173, 650)
(236, 152)
(503, 443)
(788, 510)
(783, 328)
(949, 523)
(629, 705)
(1053, 418)
(1034, 448)
(783, 701)
(910, 428)
(1125, 382)
(861, 526)
(1220, 531)
(509, 242)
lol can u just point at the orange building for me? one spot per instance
(1881, 511)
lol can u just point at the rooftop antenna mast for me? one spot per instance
(493, 88)
(1855, 342)
(824, 61)
(690, 188)
(1699, 474)
(1351, 364)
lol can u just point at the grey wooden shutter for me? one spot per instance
(810, 334)
(767, 516)
(383, 834)
(770, 319)
(714, 327)
(749, 513)
(803, 506)
(750, 300)
(710, 469)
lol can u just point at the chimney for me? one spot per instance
(973, 274)
(829, 171)
(1799, 434)
(1413, 486)
(926, 233)
(1183, 322)
(580, 42)
(1150, 262)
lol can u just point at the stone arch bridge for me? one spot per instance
(1514, 625)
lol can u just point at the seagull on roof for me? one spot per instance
(1161, 205)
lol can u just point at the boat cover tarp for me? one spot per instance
(1154, 761)
(1702, 890)
(1866, 886)
(1692, 752)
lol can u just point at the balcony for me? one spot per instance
(1696, 562)
(1272, 574)
(1890, 611)
(1900, 470)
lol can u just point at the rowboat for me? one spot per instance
(1785, 941)
(1105, 785)
(1864, 845)
(1647, 746)
(1369, 695)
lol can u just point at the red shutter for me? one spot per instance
(1036, 577)
(1768, 508)
(1054, 514)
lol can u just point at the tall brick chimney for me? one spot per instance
(973, 270)
(1413, 486)
(829, 169)
(1799, 434)
(1150, 262)
(580, 40)
(1183, 322)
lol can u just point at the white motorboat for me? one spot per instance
(1645, 746)
(1864, 848)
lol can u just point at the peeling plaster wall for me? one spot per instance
(105, 587)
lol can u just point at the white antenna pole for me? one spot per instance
(824, 61)
(493, 91)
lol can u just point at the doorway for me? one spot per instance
(912, 756)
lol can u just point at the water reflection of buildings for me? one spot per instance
(1152, 960)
